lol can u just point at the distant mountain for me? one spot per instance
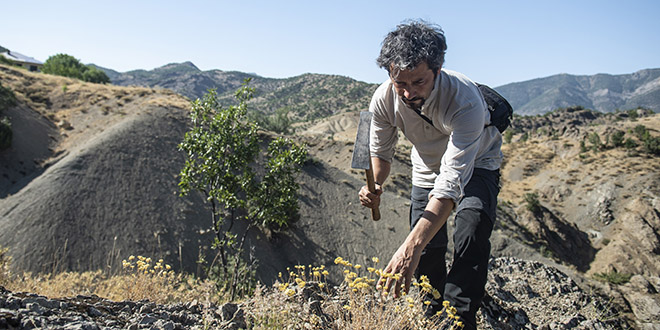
(601, 92)
(306, 97)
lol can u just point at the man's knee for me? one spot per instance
(472, 234)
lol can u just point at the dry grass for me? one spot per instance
(301, 299)
(140, 279)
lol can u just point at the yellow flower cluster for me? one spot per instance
(426, 287)
(143, 265)
(451, 316)
(361, 285)
(301, 276)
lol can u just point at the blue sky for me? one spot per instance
(493, 42)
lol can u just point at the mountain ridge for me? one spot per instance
(601, 92)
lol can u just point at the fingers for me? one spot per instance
(390, 281)
(368, 198)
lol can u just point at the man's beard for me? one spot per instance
(414, 102)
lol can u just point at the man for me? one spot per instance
(455, 157)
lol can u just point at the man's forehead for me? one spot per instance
(419, 68)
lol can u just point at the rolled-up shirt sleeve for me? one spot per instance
(457, 165)
(383, 132)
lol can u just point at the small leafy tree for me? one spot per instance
(64, 65)
(95, 75)
(221, 147)
(617, 138)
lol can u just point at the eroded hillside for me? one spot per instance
(92, 177)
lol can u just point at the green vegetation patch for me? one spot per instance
(7, 100)
(69, 66)
(613, 277)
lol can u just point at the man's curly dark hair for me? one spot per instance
(412, 43)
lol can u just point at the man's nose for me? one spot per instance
(409, 93)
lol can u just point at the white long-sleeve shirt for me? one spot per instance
(444, 155)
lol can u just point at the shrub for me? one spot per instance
(95, 75)
(6, 135)
(69, 66)
(651, 144)
(532, 203)
(594, 139)
(508, 135)
(613, 277)
(5, 61)
(7, 98)
(278, 122)
(630, 144)
(583, 146)
(640, 131)
(524, 137)
(617, 138)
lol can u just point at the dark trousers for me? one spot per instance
(464, 285)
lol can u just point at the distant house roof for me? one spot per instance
(18, 57)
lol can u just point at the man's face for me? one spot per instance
(414, 86)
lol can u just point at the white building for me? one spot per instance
(24, 61)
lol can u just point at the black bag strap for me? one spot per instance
(501, 111)
(427, 119)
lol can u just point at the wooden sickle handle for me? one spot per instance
(375, 212)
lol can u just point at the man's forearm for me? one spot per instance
(434, 217)
(381, 169)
